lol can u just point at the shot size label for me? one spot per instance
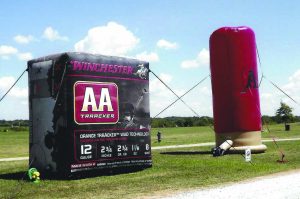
(102, 145)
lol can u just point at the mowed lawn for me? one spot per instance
(13, 143)
(16, 144)
(173, 169)
(193, 135)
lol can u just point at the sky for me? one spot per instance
(173, 35)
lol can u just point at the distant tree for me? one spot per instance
(268, 119)
(179, 123)
(297, 119)
(284, 113)
(188, 122)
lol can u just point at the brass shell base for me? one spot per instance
(242, 141)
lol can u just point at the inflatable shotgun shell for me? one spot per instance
(88, 112)
(234, 79)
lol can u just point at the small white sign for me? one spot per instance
(248, 155)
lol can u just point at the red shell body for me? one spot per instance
(234, 80)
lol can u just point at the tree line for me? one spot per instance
(181, 121)
(283, 115)
(171, 121)
(12, 123)
(208, 121)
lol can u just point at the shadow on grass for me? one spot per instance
(14, 176)
(104, 172)
(22, 175)
(186, 153)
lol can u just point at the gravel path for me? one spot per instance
(284, 185)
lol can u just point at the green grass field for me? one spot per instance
(173, 169)
(193, 135)
(13, 143)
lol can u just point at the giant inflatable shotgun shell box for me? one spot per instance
(88, 112)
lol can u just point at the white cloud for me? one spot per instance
(15, 104)
(150, 57)
(7, 51)
(190, 64)
(23, 39)
(6, 82)
(160, 95)
(199, 99)
(24, 102)
(201, 60)
(111, 39)
(292, 88)
(19, 92)
(25, 56)
(52, 35)
(269, 102)
(166, 44)
(206, 91)
(157, 86)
